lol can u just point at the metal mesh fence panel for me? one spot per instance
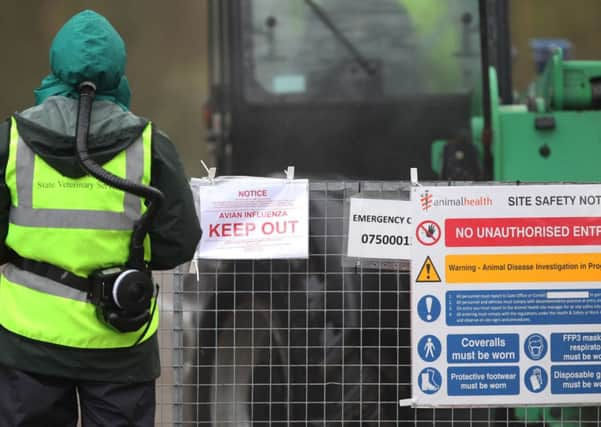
(165, 387)
(316, 342)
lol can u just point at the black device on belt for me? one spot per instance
(122, 296)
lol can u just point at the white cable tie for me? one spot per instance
(197, 271)
(406, 402)
(210, 172)
(413, 176)
(204, 165)
(289, 173)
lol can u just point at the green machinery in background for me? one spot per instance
(555, 135)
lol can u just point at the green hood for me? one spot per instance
(88, 48)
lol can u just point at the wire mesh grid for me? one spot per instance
(304, 342)
(167, 333)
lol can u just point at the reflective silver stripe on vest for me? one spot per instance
(24, 171)
(42, 284)
(134, 172)
(25, 215)
(69, 218)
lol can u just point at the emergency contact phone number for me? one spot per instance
(385, 239)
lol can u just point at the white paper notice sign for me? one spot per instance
(253, 218)
(379, 228)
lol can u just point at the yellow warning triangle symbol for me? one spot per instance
(428, 272)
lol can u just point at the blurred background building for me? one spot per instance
(576, 21)
(167, 53)
(166, 45)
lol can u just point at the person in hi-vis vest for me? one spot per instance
(65, 339)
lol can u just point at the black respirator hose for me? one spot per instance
(154, 197)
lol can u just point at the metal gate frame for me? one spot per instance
(348, 326)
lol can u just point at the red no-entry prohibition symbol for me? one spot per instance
(428, 233)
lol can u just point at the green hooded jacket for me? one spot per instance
(89, 48)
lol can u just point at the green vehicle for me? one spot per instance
(544, 138)
(553, 135)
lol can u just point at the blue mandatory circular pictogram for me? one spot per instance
(536, 379)
(535, 346)
(429, 380)
(428, 308)
(429, 348)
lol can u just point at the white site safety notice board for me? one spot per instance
(253, 218)
(506, 295)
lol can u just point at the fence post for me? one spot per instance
(178, 346)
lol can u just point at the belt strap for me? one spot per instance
(51, 272)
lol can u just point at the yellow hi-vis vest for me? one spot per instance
(80, 225)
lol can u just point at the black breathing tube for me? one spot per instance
(155, 197)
